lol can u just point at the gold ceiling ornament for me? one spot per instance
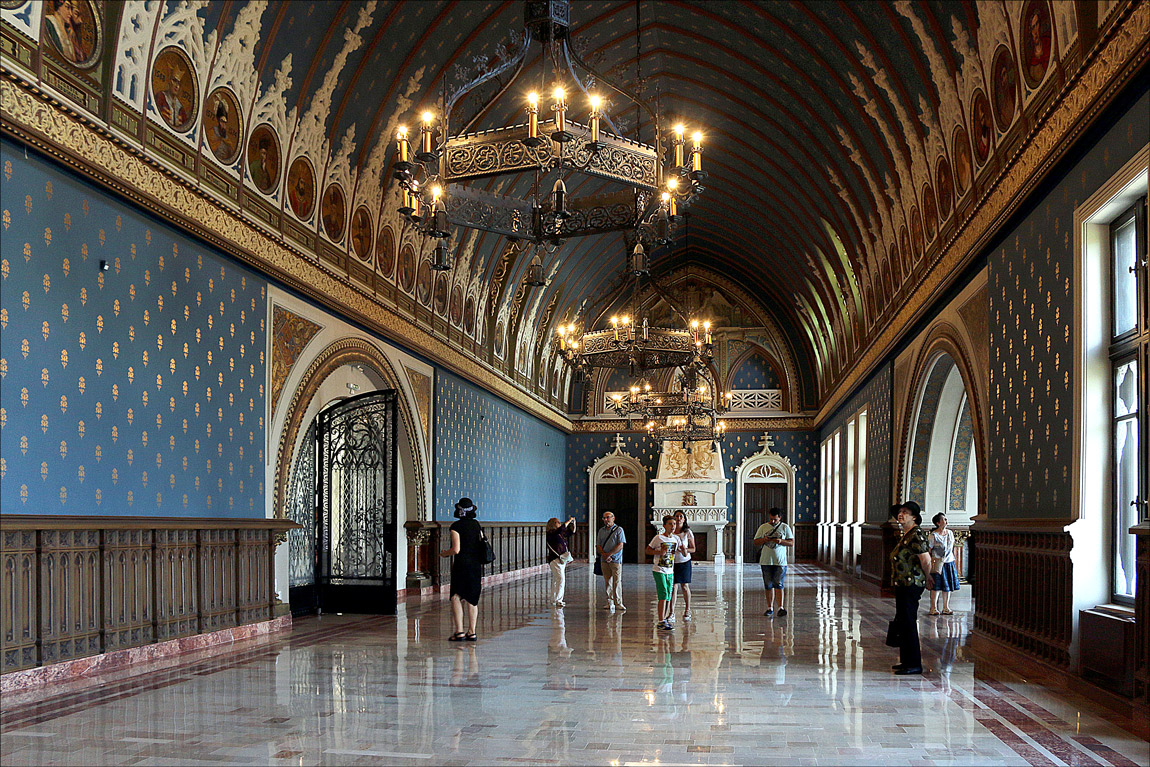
(434, 166)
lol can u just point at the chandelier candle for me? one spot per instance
(679, 145)
(533, 119)
(697, 153)
(560, 109)
(427, 135)
(404, 148)
(595, 101)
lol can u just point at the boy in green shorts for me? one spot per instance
(662, 550)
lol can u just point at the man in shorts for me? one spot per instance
(776, 538)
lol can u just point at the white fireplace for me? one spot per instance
(691, 479)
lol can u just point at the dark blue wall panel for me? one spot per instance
(135, 391)
(508, 462)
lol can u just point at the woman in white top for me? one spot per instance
(942, 565)
(682, 578)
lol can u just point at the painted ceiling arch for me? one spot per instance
(843, 141)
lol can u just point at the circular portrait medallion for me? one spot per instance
(983, 129)
(441, 293)
(1005, 79)
(469, 316)
(175, 89)
(406, 275)
(456, 313)
(73, 28)
(1037, 40)
(361, 233)
(945, 184)
(963, 170)
(423, 283)
(333, 212)
(929, 212)
(385, 251)
(301, 188)
(223, 125)
(264, 158)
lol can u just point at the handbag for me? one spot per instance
(598, 569)
(488, 552)
(893, 635)
(565, 557)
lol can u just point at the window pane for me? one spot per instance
(1125, 283)
(1125, 515)
(1126, 389)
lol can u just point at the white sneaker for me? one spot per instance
(611, 608)
(560, 603)
(687, 615)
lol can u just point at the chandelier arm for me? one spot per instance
(517, 61)
(582, 87)
(635, 99)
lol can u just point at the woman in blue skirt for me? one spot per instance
(942, 565)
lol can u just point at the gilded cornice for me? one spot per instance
(784, 423)
(37, 119)
(1112, 65)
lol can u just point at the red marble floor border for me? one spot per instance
(90, 668)
(23, 711)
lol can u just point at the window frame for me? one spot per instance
(1130, 345)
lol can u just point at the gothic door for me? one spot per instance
(624, 501)
(758, 497)
(356, 505)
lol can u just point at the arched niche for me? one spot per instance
(941, 447)
(619, 468)
(764, 467)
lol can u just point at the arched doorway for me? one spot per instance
(762, 481)
(940, 472)
(619, 484)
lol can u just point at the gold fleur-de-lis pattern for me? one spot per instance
(510, 463)
(101, 416)
(1031, 272)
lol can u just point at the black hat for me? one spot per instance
(465, 508)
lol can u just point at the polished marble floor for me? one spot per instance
(580, 685)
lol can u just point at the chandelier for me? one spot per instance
(690, 414)
(434, 165)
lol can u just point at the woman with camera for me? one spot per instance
(558, 555)
(468, 548)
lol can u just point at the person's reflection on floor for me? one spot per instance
(464, 691)
(773, 662)
(682, 663)
(664, 678)
(947, 636)
(559, 673)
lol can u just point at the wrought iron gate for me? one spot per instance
(354, 511)
(302, 508)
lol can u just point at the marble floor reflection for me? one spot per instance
(581, 685)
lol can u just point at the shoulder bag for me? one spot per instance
(488, 555)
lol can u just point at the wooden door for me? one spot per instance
(757, 499)
(623, 500)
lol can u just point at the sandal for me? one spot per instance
(470, 637)
(947, 612)
(457, 637)
(934, 612)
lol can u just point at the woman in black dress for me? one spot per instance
(466, 571)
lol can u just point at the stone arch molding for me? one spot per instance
(345, 351)
(616, 468)
(764, 467)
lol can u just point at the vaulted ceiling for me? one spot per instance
(844, 141)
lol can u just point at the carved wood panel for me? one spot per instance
(18, 600)
(177, 598)
(69, 584)
(128, 573)
(217, 579)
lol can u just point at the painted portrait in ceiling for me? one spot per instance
(983, 129)
(385, 251)
(456, 313)
(333, 211)
(301, 188)
(1037, 41)
(1005, 80)
(499, 340)
(963, 170)
(406, 273)
(916, 240)
(361, 233)
(264, 158)
(73, 29)
(423, 283)
(441, 293)
(469, 316)
(223, 125)
(945, 186)
(929, 212)
(174, 89)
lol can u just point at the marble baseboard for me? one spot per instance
(71, 675)
(444, 589)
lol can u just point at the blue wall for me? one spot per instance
(754, 373)
(798, 446)
(135, 391)
(1031, 330)
(508, 462)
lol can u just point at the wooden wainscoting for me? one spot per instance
(1025, 585)
(517, 545)
(806, 540)
(1142, 613)
(82, 586)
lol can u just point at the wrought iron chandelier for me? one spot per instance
(434, 166)
(690, 414)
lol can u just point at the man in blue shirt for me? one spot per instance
(609, 548)
(776, 538)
